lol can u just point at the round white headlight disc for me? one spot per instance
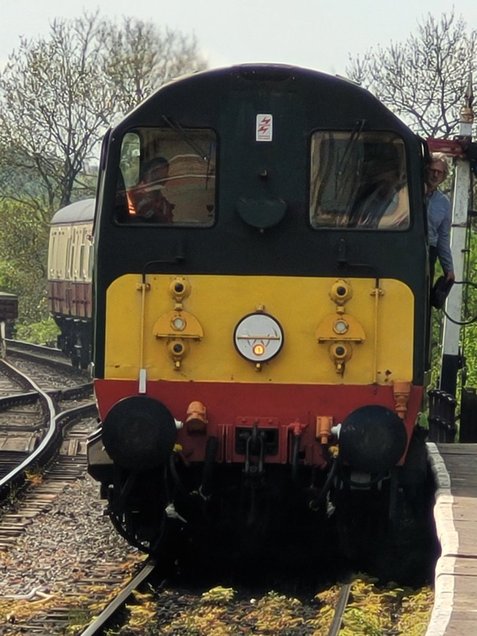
(258, 337)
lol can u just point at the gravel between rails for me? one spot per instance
(66, 552)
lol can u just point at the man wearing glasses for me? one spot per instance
(439, 217)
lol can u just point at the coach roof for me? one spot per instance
(78, 212)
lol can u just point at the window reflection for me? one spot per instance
(358, 181)
(167, 177)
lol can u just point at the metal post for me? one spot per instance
(451, 362)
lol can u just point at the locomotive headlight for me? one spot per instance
(258, 337)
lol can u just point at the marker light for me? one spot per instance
(258, 337)
(178, 323)
(340, 326)
(258, 349)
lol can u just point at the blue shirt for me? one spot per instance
(439, 221)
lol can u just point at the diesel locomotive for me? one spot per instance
(261, 309)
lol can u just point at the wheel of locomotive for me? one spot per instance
(360, 519)
(413, 475)
(153, 529)
(75, 361)
(84, 353)
(125, 523)
(412, 540)
(407, 549)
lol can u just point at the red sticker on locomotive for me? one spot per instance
(264, 128)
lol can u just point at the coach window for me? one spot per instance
(358, 181)
(167, 177)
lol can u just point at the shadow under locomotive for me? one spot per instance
(259, 520)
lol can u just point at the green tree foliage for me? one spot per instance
(469, 318)
(58, 96)
(23, 249)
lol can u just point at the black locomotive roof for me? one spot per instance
(78, 212)
(330, 101)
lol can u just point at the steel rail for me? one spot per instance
(98, 624)
(19, 346)
(52, 431)
(340, 609)
(39, 353)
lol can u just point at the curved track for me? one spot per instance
(46, 508)
(37, 442)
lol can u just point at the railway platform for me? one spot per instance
(455, 511)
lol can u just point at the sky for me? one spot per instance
(318, 34)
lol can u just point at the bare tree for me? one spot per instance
(140, 57)
(424, 79)
(54, 107)
(59, 94)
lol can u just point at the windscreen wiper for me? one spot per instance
(353, 138)
(185, 137)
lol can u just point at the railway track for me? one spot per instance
(28, 423)
(46, 474)
(30, 377)
(55, 573)
(32, 352)
(22, 429)
(340, 609)
(116, 605)
(47, 514)
(357, 607)
(30, 438)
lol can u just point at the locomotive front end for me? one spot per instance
(260, 328)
